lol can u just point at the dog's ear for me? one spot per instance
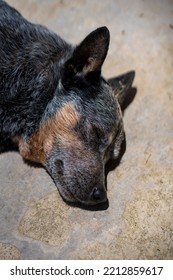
(90, 54)
(121, 85)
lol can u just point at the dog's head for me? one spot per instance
(87, 129)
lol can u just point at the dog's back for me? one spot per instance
(28, 53)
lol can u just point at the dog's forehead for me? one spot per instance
(102, 107)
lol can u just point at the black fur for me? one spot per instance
(29, 71)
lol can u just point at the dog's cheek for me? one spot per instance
(32, 150)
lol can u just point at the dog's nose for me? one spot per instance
(98, 195)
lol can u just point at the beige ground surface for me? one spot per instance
(34, 221)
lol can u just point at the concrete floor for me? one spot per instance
(35, 223)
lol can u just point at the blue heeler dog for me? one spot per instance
(56, 106)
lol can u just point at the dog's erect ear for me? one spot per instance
(90, 54)
(121, 84)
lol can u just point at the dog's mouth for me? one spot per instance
(72, 201)
(71, 198)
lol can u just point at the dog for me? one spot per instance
(56, 106)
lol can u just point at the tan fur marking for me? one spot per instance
(59, 127)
